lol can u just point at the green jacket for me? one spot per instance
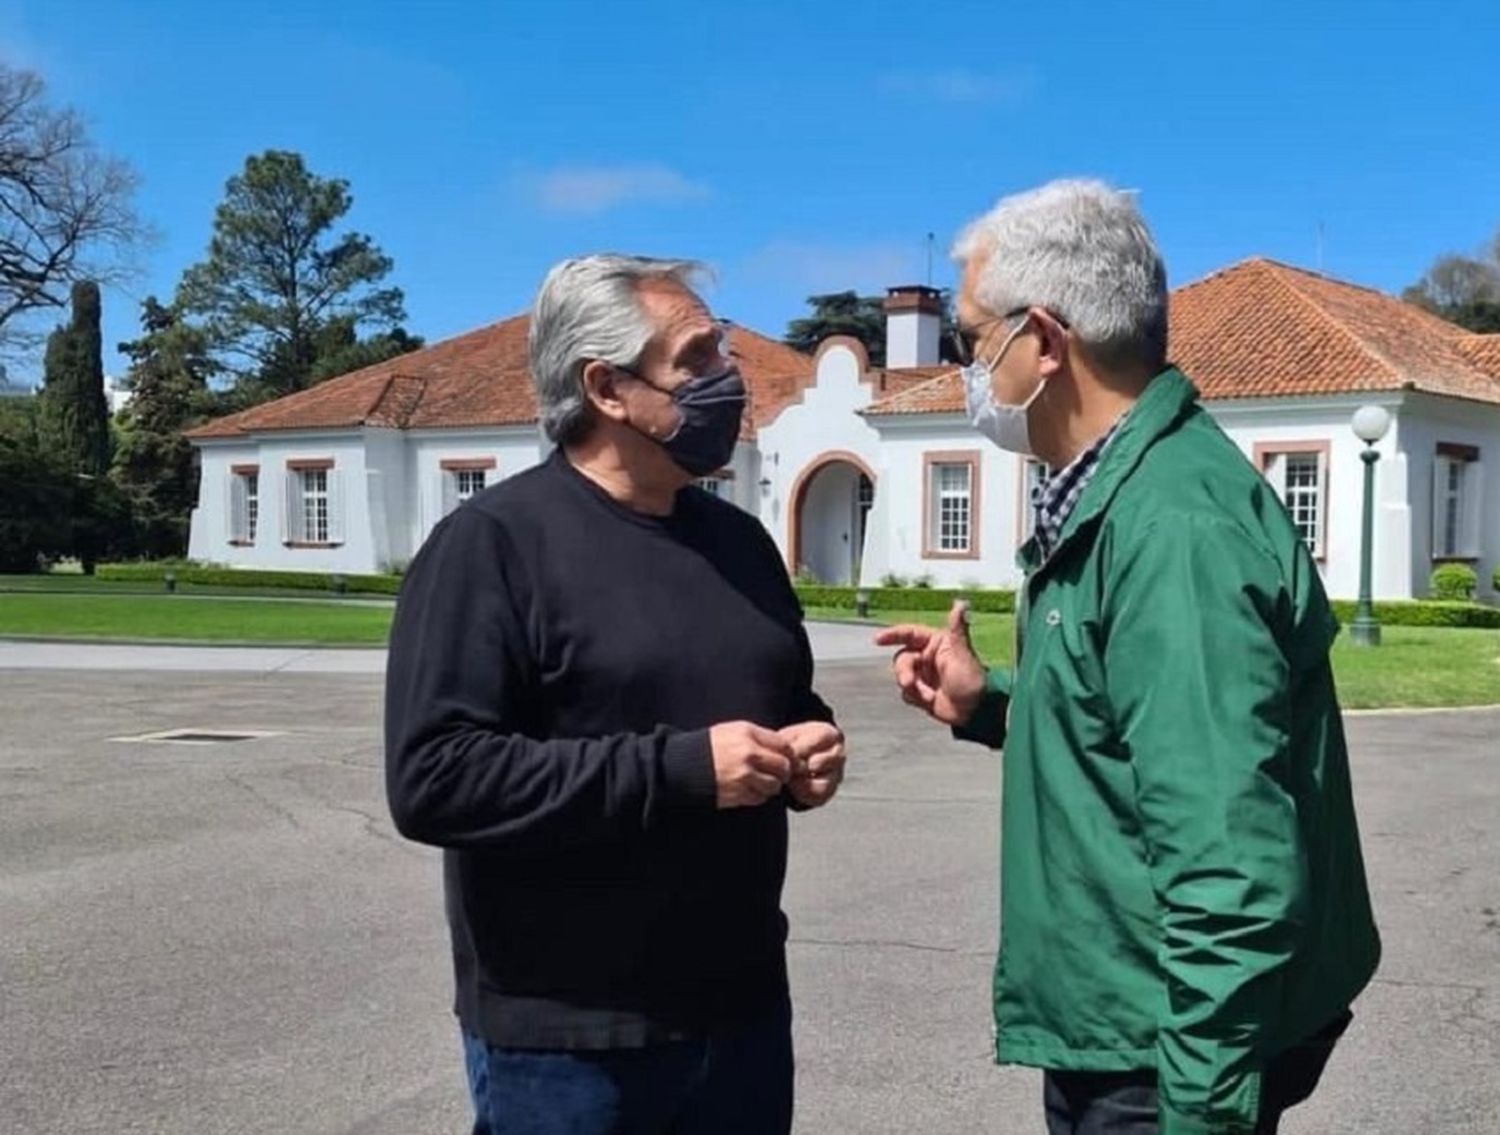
(1181, 882)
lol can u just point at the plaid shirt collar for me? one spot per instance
(1054, 500)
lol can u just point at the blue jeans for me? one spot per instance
(735, 1082)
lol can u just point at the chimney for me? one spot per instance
(913, 325)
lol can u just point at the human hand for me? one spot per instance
(936, 669)
(818, 758)
(750, 763)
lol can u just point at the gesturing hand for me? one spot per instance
(936, 668)
(818, 758)
(750, 763)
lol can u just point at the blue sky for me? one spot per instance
(797, 146)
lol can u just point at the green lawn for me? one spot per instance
(1416, 666)
(1413, 667)
(66, 583)
(293, 621)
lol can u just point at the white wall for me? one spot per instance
(1398, 526)
(209, 539)
(390, 482)
(513, 448)
(1425, 421)
(899, 546)
(1317, 420)
(208, 535)
(825, 421)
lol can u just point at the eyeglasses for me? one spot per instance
(964, 340)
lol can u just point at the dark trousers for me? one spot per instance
(734, 1082)
(1125, 1103)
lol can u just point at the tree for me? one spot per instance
(75, 411)
(170, 367)
(863, 317)
(841, 313)
(65, 209)
(36, 491)
(1463, 289)
(275, 279)
(74, 417)
(340, 349)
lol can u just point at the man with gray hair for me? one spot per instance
(1184, 914)
(599, 704)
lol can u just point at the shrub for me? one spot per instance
(1453, 582)
(1495, 579)
(993, 602)
(217, 576)
(923, 580)
(891, 579)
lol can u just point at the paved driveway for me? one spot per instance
(229, 938)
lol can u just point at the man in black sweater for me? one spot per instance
(599, 704)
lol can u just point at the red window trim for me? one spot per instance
(971, 458)
(466, 464)
(1264, 449)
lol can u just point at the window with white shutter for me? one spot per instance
(1457, 478)
(243, 513)
(1298, 471)
(462, 478)
(314, 504)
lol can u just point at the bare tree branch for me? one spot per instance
(66, 211)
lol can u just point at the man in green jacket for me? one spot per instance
(1184, 914)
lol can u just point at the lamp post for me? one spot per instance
(1370, 424)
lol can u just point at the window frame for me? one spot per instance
(1466, 547)
(295, 521)
(931, 506)
(1267, 451)
(244, 505)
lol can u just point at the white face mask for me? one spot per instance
(1004, 425)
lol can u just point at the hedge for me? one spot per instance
(908, 598)
(209, 575)
(1391, 613)
(1423, 613)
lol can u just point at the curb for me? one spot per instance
(198, 643)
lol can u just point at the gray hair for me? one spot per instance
(587, 309)
(1081, 250)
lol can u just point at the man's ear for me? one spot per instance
(601, 386)
(1052, 342)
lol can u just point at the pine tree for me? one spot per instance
(154, 465)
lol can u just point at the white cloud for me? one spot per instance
(590, 190)
(961, 86)
(815, 268)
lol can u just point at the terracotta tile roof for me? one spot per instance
(775, 374)
(481, 379)
(941, 395)
(1483, 351)
(1261, 329)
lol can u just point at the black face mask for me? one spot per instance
(711, 408)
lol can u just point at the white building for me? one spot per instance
(861, 472)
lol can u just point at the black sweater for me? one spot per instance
(556, 662)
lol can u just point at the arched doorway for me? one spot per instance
(831, 504)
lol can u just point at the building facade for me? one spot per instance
(867, 474)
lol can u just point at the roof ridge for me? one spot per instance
(1275, 269)
(397, 411)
